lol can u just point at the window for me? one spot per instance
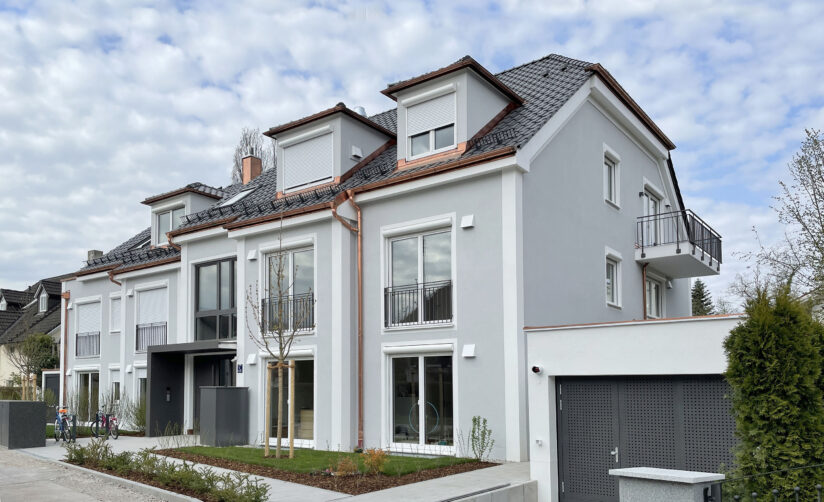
(655, 298)
(87, 339)
(420, 279)
(168, 221)
(44, 302)
(88, 395)
(304, 408)
(422, 400)
(610, 181)
(236, 198)
(291, 286)
(613, 284)
(215, 311)
(650, 227)
(152, 316)
(3, 304)
(309, 161)
(431, 125)
(114, 315)
(116, 391)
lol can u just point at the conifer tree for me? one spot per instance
(701, 299)
(774, 369)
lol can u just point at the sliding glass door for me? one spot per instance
(303, 409)
(422, 404)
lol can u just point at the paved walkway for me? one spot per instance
(24, 478)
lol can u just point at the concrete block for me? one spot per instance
(22, 424)
(531, 491)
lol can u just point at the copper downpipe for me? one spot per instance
(359, 231)
(66, 296)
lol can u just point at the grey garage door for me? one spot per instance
(672, 422)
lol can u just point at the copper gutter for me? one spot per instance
(66, 296)
(644, 289)
(111, 278)
(359, 231)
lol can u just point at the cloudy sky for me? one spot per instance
(105, 103)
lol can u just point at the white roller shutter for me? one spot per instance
(308, 161)
(114, 315)
(151, 306)
(430, 114)
(88, 317)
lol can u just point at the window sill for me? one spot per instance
(96, 356)
(114, 332)
(613, 205)
(299, 333)
(418, 327)
(614, 305)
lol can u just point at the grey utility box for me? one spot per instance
(224, 416)
(22, 424)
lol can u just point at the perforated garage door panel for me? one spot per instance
(672, 422)
(589, 408)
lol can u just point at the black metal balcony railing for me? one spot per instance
(87, 344)
(294, 312)
(149, 334)
(427, 303)
(678, 227)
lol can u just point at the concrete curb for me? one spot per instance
(149, 490)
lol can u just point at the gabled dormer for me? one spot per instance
(166, 211)
(322, 148)
(439, 112)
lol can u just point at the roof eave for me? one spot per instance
(339, 108)
(157, 198)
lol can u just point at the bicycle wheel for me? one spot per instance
(64, 428)
(57, 430)
(113, 429)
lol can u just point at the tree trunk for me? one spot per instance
(292, 410)
(268, 411)
(280, 409)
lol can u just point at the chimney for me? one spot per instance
(94, 253)
(251, 167)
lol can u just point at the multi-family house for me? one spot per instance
(420, 242)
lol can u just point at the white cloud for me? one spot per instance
(104, 104)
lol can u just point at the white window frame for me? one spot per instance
(301, 353)
(432, 150)
(3, 304)
(160, 237)
(418, 228)
(43, 302)
(112, 328)
(76, 304)
(611, 157)
(146, 286)
(297, 247)
(428, 349)
(613, 256)
(661, 283)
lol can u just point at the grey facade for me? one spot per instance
(481, 219)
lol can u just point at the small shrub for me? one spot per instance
(345, 466)
(75, 453)
(480, 439)
(374, 460)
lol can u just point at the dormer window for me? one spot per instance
(3, 304)
(308, 159)
(44, 302)
(168, 221)
(431, 125)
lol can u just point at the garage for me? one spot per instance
(671, 422)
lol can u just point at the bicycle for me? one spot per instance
(61, 425)
(109, 423)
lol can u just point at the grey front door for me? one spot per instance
(671, 422)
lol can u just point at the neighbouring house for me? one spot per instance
(22, 313)
(432, 248)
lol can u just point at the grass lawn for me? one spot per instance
(308, 461)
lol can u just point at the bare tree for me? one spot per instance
(277, 320)
(252, 142)
(29, 357)
(799, 257)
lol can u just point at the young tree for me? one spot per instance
(30, 357)
(774, 369)
(277, 319)
(252, 142)
(800, 207)
(701, 299)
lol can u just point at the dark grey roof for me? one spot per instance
(196, 187)
(31, 321)
(7, 318)
(16, 299)
(544, 84)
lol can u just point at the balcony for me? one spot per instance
(149, 334)
(416, 304)
(678, 244)
(87, 344)
(289, 313)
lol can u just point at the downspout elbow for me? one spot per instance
(111, 278)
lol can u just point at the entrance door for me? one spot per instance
(670, 422)
(88, 395)
(212, 371)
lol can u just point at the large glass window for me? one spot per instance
(290, 300)
(88, 394)
(420, 277)
(215, 312)
(168, 221)
(652, 209)
(422, 404)
(610, 181)
(304, 407)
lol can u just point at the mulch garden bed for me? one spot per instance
(147, 480)
(354, 485)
